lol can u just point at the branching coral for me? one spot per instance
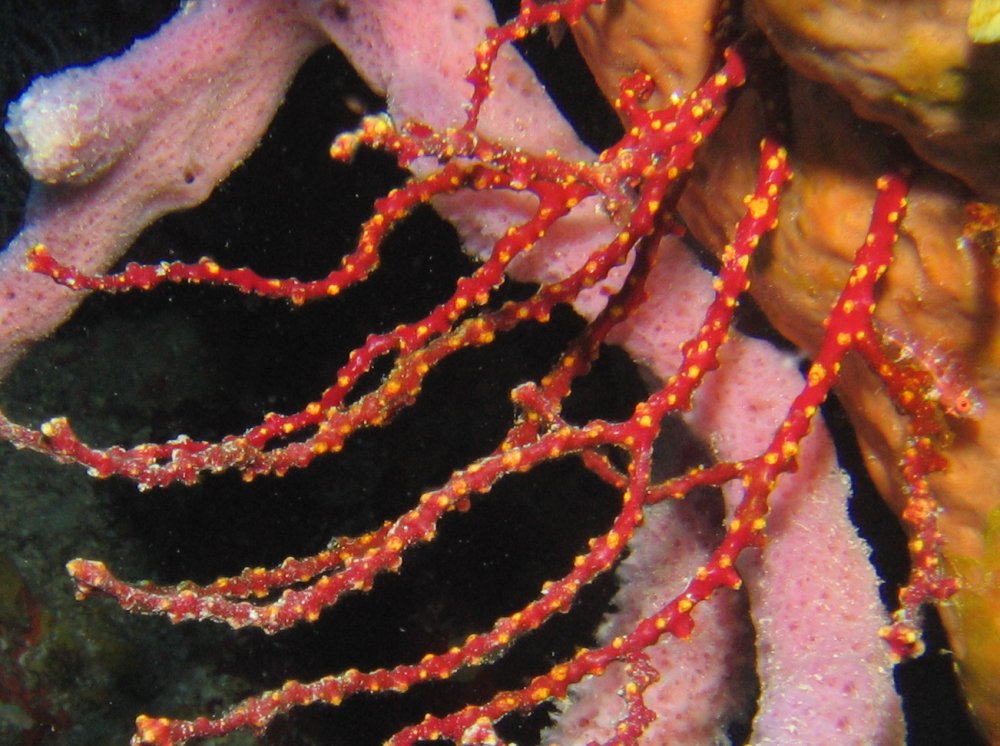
(599, 232)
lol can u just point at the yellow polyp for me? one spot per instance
(685, 605)
(147, 732)
(511, 459)
(758, 207)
